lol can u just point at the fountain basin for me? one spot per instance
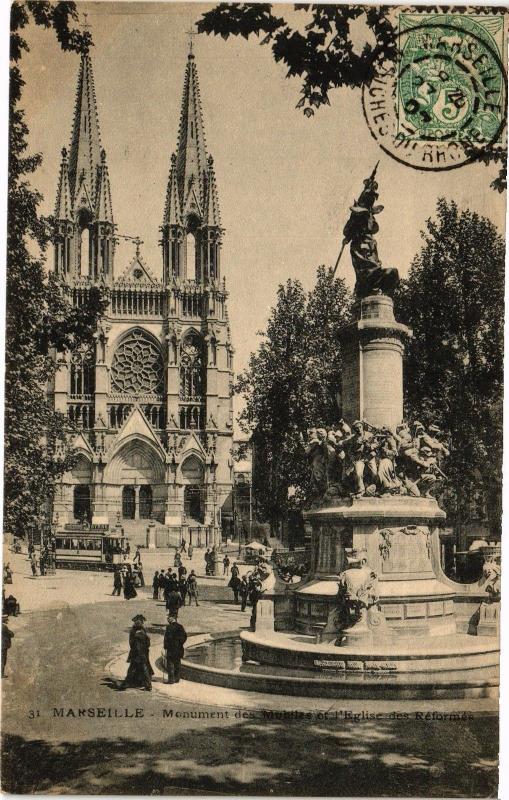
(221, 661)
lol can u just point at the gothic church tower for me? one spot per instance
(151, 402)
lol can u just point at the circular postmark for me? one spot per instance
(444, 100)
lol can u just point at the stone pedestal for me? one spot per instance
(489, 619)
(265, 615)
(401, 540)
(372, 382)
(151, 536)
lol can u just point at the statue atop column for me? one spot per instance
(359, 231)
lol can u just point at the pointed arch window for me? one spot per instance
(84, 242)
(192, 368)
(82, 374)
(191, 257)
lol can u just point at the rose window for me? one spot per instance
(137, 366)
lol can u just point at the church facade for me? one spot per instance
(151, 402)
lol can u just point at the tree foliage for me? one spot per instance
(39, 317)
(291, 384)
(323, 53)
(453, 300)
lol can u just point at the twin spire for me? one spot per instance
(84, 188)
(192, 190)
(84, 182)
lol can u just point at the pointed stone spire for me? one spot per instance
(172, 209)
(85, 153)
(103, 208)
(63, 205)
(191, 149)
(212, 216)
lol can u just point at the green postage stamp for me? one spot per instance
(443, 99)
(451, 81)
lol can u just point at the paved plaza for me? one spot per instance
(69, 648)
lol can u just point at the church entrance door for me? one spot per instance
(128, 502)
(82, 503)
(194, 505)
(145, 502)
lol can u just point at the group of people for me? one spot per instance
(290, 571)
(46, 561)
(175, 587)
(364, 460)
(126, 578)
(140, 670)
(248, 587)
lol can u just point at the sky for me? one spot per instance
(285, 182)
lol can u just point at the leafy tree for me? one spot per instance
(291, 384)
(453, 300)
(324, 54)
(40, 318)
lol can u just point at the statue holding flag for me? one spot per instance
(360, 232)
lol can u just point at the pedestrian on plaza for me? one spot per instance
(10, 606)
(234, 585)
(33, 564)
(192, 587)
(177, 561)
(243, 592)
(140, 574)
(117, 582)
(173, 599)
(255, 593)
(162, 584)
(31, 549)
(235, 569)
(171, 581)
(207, 561)
(42, 564)
(182, 571)
(226, 565)
(175, 637)
(155, 585)
(183, 590)
(139, 673)
(128, 549)
(129, 588)
(190, 551)
(7, 573)
(183, 545)
(137, 555)
(7, 635)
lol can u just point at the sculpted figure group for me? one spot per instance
(368, 461)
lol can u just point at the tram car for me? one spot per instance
(90, 548)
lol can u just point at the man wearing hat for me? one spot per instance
(175, 637)
(140, 669)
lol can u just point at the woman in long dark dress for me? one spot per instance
(129, 590)
(139, 672)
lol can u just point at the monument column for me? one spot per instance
(372, 382)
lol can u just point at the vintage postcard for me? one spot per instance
(254, 399)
